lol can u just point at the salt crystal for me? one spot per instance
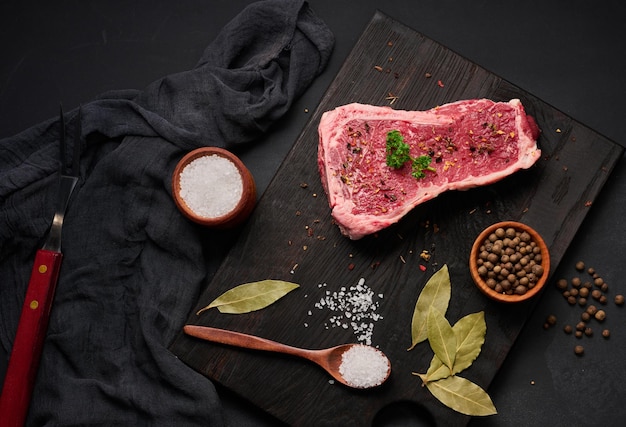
(363, 366)
(355, 303)
(211, 186)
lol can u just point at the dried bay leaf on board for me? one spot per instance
(436, 293)
(251, 296)
(470, 334)
(441, 337)
(462, 395)
(455, 347)
(436, 371)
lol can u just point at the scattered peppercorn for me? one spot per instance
(578, 291)
(600, 315)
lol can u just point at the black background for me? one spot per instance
(570, 53)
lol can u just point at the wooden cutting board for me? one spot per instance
(292, 237)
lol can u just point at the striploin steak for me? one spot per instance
(468, 144)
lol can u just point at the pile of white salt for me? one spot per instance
(211, 186)
(363, 366)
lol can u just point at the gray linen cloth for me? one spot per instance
(133, 267)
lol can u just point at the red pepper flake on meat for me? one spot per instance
(440, 83)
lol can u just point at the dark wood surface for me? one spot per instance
(575, 164)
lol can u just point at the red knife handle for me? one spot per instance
(28, 343)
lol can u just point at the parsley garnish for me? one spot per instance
(398, 154)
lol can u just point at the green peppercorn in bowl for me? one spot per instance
(509, 262)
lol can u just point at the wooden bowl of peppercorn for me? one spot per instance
(509, 262)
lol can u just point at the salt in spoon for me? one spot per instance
(330, 359)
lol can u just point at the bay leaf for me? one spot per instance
(436, 293)
(441, 337)
(462, 395)
(251, 296)
(470, 334)
(436, 371)
(422, 376)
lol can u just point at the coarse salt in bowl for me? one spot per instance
(212, 187)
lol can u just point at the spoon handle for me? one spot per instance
(242, 340)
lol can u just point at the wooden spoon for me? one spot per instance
(330, 359)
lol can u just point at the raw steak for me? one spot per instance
(471, 143)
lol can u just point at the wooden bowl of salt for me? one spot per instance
(212, 187)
